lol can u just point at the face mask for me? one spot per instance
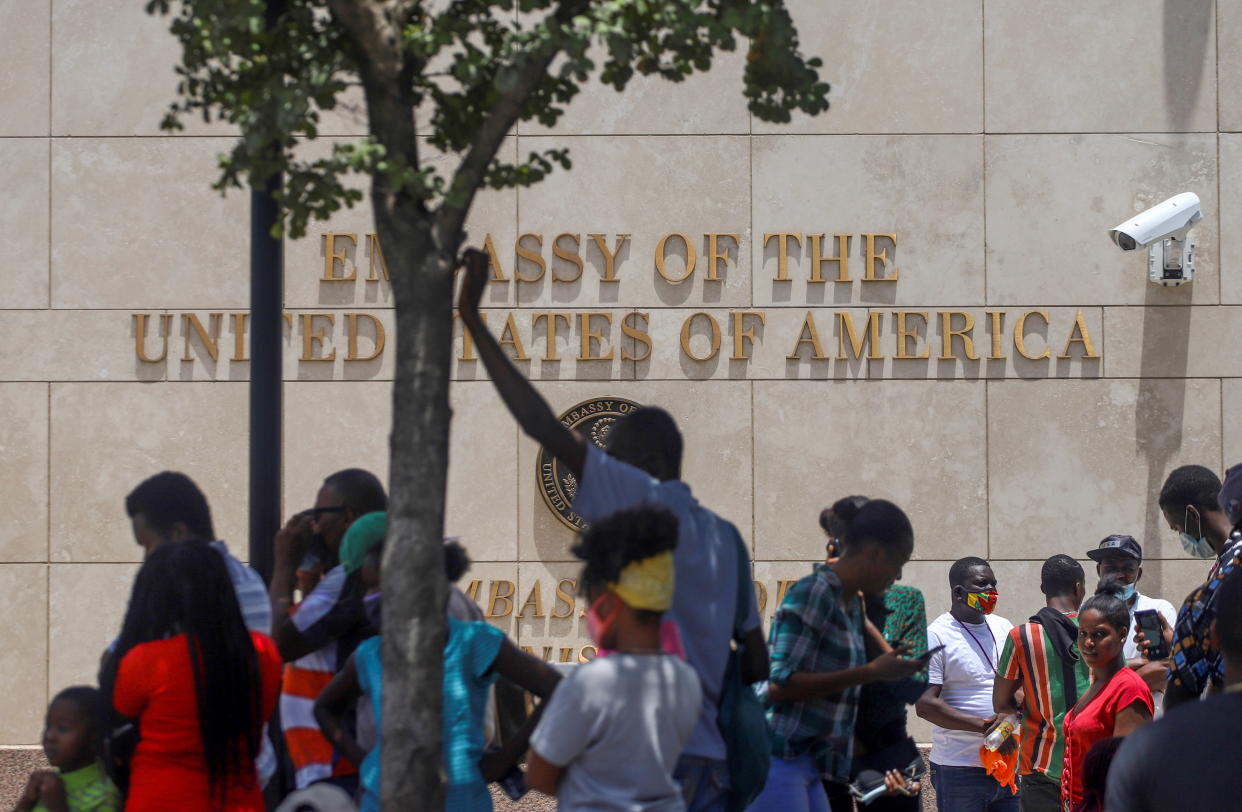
(597, 627)
(1199, 548)
(984, 601)
(371, 605)
(1127, 591)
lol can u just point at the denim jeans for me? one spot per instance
(970, 789)
(794, 785)
(704, 783)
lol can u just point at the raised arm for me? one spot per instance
(530, 410)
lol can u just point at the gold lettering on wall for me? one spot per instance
(998, 328)
(715, 256)
(332, 259)
(808, 334)
(906, 334)
(590, 338)
(610, 257)
(312, 340)
(661, 256)
(351, 328)
(535, 257)
(566, 588)
(498, 273)
(376, 256)
(140, 336)
(842, 258)
(534, 600)
(637, 333)
(209, 337)
(510, 335)
(872, 256)
(743, 336)
(572, 257)
(782, 252)
(501, 595)
(688, 324)
(1019, 335)
(947, 334)
(550, 352)
(1079, 334)
(846, 325)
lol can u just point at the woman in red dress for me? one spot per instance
(198, 683)
(1118, 700)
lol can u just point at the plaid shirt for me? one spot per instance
(813, 632)
(1196, 662)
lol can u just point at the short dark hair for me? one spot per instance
(1059, 574)
(456, 561)
(872, 521)
(1107, 602)
(85, 697)
(645, 433)
(170, 497)
(360, 490)
(611, 544)
(1191, 485)
(1228, 603)
(961, 569)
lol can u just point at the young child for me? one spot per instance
(79, 783)
(613, 731)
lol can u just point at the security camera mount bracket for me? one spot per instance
(1171, 262)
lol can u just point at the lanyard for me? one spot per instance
(982, 650)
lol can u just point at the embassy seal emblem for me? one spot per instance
(592, 419)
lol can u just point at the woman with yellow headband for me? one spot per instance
(611, 735)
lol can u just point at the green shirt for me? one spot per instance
(89, 790)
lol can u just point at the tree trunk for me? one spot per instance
(414, 585)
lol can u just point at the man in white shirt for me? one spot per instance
(1122, 557)
(958, 699)
(642, 464)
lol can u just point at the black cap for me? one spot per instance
(1117, 545)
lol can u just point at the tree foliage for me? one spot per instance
(459, 61)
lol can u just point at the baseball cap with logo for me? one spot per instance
(1117, 545)
(1231, 495)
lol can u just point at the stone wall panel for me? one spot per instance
(24, 217)
(136, 225)
(885, 59)
(24, 74)
(917, 443)
(88, 603)
(108, 437)
(1115, 66)
(1070, 462)
(24, 659)
(1051, 200)
(927, 190)
(646, 188)
(23, 472)
(1171, 342)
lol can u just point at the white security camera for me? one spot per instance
(1170, 260)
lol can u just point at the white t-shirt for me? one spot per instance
(965, 669)
(617, 726)
(1141, 604)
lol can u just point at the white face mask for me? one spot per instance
(1127, 591)
(1198, 547)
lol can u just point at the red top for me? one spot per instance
(155, 684)
(1086, 726)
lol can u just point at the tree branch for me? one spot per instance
(515, 85)
(375, 26)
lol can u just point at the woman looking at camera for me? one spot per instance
(1118, 700)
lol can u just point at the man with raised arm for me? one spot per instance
(643, 464)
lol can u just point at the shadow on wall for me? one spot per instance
(1187, 33)
(1161, 404)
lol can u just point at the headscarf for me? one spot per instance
(647, 583)
(361, 537)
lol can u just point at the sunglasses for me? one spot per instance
(317, 513)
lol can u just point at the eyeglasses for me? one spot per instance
(318, 513)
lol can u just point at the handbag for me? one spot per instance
(740, 717)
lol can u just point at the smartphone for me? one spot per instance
(930, 652)
(1148, 622)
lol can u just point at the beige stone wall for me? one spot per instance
(999, 140)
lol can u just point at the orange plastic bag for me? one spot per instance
(1003, 768)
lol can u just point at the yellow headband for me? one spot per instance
(647, 584)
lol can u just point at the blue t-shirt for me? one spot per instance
(468, 657)
(705, 565)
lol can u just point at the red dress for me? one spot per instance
(155, 684)
(1086, 726)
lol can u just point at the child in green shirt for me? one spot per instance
(79, 783)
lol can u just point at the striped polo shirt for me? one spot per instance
(1030, 659)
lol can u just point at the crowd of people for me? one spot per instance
(221, 692)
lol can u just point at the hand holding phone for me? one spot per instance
(1150, 634)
